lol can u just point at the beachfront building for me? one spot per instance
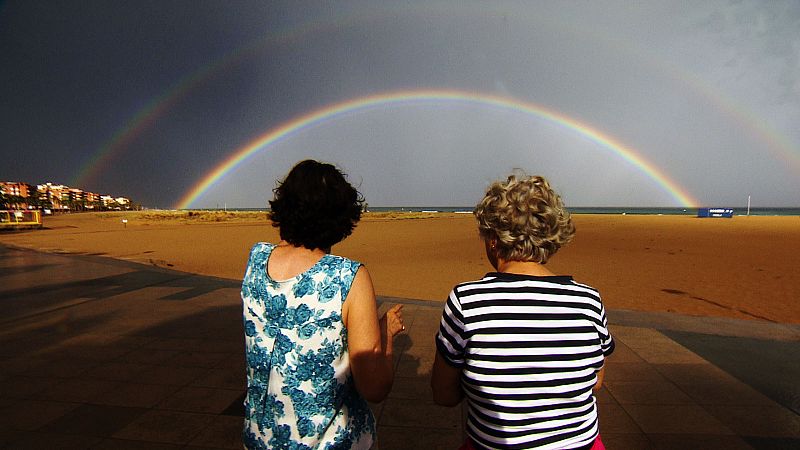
(15, 194)
(91, 200)
(94, 201)
(64, 198)
(123, 202)
(57, 197)
(107, 201)
(118, 203)
(15, 188)
(75, 199)
(51, 195)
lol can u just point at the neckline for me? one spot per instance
(297, 277)
(520, 276)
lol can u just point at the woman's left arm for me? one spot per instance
(370, 340)
(600, 374)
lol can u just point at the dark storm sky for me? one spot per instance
(145, 98)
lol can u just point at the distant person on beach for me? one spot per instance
(523, 345)
(316, 350)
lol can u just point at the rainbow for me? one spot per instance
(123, 137)
(158, 106)
(777, 144)
(382, 100)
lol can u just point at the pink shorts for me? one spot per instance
(598, 444)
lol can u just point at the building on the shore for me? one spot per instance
(15, 188)
(57, 197)
(123, 202)
(92, 200)
(53, 195)
(107, 201)
(60, 197)
(76, 196)
(16, 194)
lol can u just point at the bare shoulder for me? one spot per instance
(361, 296)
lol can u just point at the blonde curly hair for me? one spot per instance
(525, 217)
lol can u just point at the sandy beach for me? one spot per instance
(745, 267)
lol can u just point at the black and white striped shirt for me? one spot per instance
(529, 349)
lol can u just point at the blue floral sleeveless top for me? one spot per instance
(300, 393)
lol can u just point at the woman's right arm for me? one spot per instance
(369, 340)
(445, 382)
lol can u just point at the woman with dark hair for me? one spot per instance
(316, 350)
(523, 345)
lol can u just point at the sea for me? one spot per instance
(607, 210)
(579, 210)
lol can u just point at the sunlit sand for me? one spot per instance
(745, 267)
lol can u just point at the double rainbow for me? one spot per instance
(681, 196)
(778, 144)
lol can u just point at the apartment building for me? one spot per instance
(59, 197)
(15, 188)
(53, 194)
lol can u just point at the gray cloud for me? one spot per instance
(708, 92)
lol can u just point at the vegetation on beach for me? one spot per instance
(186, 216)
(201, 216)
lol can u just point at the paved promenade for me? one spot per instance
(106, 354)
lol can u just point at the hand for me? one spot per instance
(392, 320)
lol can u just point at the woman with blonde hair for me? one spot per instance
(523, 345)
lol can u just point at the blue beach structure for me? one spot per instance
(715, 212)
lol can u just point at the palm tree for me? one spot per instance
(34, 201)
(15, 201)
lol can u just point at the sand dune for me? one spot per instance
(745, 267)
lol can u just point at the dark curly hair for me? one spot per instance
(315, 206)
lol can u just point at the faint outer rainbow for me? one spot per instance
(143, 118)
(329, 112)
(777, 143)
(159, 105)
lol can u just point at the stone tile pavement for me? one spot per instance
(106, 354)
